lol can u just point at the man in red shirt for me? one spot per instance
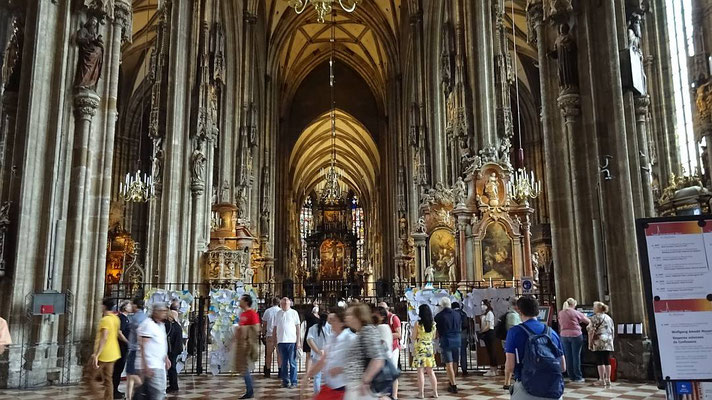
(247, 335)
(395, 324)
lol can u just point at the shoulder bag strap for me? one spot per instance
(526, 329)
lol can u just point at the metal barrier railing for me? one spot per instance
(198, 359)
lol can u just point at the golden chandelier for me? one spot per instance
(323, 7)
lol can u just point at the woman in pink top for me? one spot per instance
(570, 321)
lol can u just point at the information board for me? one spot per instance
(676, 259)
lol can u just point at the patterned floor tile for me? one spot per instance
(473, 387)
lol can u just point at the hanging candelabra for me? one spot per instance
(137, 187)
(332, 188)
(523, 186)
(323, 7)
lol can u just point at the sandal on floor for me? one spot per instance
(599, 383)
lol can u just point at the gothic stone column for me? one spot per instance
(624, 280)
(81, 276)
(557, 172)
(642, 104)
(463, 216)
(420, 239)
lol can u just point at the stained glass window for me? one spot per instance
(679, 20)
(306, 227)
(358, 231)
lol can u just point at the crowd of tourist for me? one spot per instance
(353, 350)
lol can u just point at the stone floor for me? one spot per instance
(472, 387)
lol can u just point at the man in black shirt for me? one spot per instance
(462, 359)
(449, 326)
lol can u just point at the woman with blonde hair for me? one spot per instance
(570, 321)
(600, 341)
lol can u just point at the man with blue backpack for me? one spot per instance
(535, 356)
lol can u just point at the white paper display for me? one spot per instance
(223, 314)
(680, 258)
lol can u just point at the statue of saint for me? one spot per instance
(567, 55)
(91, 55)
(249, 275)
(198, 166)
(403, 226)
(429, 272)
(460, 191)
(451, 269)
(634, 34)
(492, 189)
(420, 227)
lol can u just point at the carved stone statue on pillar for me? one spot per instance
(158, 159)
(429, 273)
(566, 54)
(420, 227)
(91, 55)
(198, 161)
(402, 226)
(249, 275)
(460, 191)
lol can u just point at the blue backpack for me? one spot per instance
(541, 369)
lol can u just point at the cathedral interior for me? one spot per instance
(350, 148)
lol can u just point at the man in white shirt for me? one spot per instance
(270, 339)
(288, 334)
(153, 361)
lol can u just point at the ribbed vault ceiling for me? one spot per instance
(356, 151)
(365, 40)
(518, 19)
(135, 54)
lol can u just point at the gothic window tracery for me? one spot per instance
(679, 13)
(306, 227)
(358, 231)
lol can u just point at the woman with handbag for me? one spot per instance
(366, 357)
(488, 337)
(423, 335)
(600, 342)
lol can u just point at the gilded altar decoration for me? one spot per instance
(332, 254)
(499, 219)
(442, 254)
(703, 102)
(685, 195)
(121, 253)
(497, 253)
(229, 256)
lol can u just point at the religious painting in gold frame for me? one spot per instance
(331, 253)
(497, 253)
(442, 253)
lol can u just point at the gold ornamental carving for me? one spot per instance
(703, 101)
(230, 253)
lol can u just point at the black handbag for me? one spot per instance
(382, 383)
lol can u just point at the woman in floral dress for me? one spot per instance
(423, 334)
(600, 342)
